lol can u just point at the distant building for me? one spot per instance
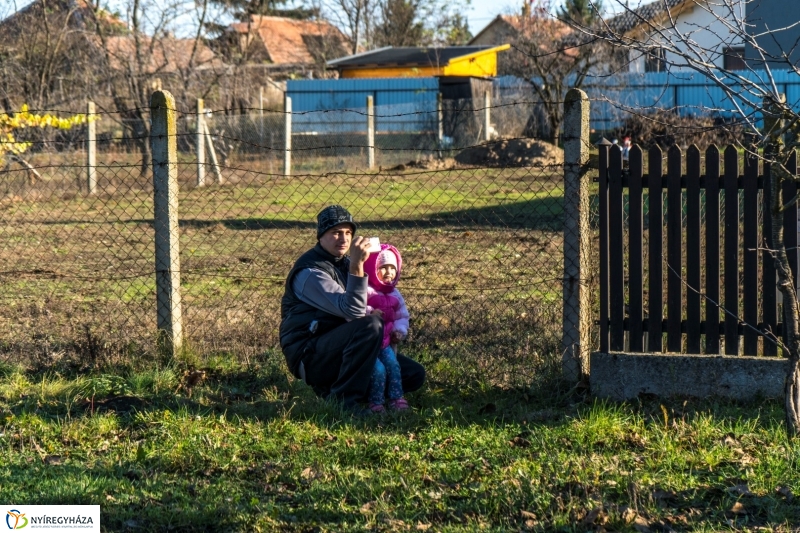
(420, 62)
(284, 44)
(502, 29)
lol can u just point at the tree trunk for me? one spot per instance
(790, 312)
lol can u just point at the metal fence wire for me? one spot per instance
(481, 244)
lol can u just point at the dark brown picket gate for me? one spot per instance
(716, 276)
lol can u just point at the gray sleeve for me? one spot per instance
(315, 287)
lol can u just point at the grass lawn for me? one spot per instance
(249, 449)
(90, 414)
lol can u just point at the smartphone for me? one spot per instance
(374, 245)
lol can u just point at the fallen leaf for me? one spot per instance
(423, 527)
(730, 441)
(520, 442)
(528, 514)
(367, 507)
(628, 515)
(641, 525)
(308, 473)
(592, 516)
(395, 524)
(738, 508)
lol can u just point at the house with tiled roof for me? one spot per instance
(77, 15)
(505, 28)
(166, 55)
(284, 43)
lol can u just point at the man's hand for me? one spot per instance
(359, 252)
(377, 312)
(396, 337)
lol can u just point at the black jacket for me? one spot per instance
(297, 316)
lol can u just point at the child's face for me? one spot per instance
(386, 273)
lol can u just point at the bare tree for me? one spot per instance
(146, 56)
(375, 23)
(713, 50)
(356, 17)
(552, 57)
(44, 55)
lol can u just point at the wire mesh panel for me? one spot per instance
(482, 245)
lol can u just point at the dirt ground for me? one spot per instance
(512, 153)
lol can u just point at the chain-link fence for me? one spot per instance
(482, 246)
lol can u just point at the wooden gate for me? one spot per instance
(717, 277)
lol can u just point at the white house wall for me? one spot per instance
(701, 25)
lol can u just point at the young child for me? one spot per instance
(383, 270)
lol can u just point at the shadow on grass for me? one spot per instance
(183, 492)
(538, 214)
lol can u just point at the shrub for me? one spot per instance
(664, 129)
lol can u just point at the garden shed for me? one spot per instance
(405, 84)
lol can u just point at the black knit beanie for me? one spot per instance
(331, 216)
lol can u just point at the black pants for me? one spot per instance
(341, 363)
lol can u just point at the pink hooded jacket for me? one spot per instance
(386, 297)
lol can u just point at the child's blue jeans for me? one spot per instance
(386, 381)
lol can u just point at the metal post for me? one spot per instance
(287, 134)
(261, 115)
(440, 117)
(163, 143)
(201, 144)
(370, 133)
(212, 152)
(577, 307)
(487, 103)
(91, 149)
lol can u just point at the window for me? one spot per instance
(734, 58)
(655, 60)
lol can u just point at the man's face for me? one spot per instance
(336, 241)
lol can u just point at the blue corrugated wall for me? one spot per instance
(409, 104)
(401, 104)
(687, 92)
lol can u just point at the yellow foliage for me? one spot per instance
(11, 123)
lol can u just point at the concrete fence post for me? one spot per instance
(287, 151)
(200, 143)
(487, 115)
(163, 143)
(91, 149)
(370, 133)
(577, 309)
